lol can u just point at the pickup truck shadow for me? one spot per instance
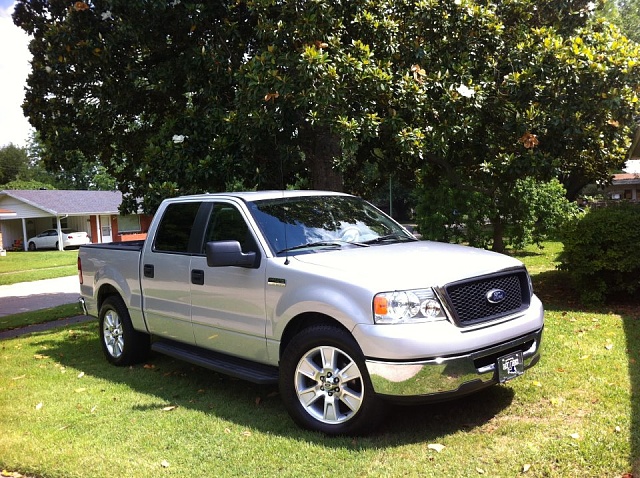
(176, 383)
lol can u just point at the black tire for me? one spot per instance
(32, 246)
(324, 383)
(121, 344)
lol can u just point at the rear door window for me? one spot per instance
(175, 227)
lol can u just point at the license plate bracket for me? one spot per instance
(510, 366)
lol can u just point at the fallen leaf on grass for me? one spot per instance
(19, 378)
(164, 464)
(40, 356)
(169, 408)
(39, 406)
(10, 474)
(246, 433)
(608, 346)
(81, 374)
(575, 436)
(480, 471)
(149, 366)
(526, 467)
(80, 390)
(436, 447)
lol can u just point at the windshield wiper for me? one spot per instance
(390, 237)
(335, 243)
(312, 244)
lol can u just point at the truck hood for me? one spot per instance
(409, 265)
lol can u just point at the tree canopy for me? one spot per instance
(466, 96)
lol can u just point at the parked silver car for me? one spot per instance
(49, 239)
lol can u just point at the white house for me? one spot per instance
(95, 212)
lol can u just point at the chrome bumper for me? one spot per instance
(440, 378)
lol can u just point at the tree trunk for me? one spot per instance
(321, 147)
(498, 235)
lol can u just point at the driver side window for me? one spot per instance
(226, 223)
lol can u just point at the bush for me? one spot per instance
(601, 252)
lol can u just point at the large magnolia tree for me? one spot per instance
(470, 100)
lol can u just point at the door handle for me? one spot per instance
(197, 277)
(149, 271)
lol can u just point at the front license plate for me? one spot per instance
(510, 366)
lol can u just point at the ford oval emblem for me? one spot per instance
(495, 296)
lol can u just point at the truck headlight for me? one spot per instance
(407, 306)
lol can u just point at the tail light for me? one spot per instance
(80, 271)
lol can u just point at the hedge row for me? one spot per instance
(602, 252)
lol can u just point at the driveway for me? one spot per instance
(28, 296)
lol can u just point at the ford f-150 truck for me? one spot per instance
(318, 292)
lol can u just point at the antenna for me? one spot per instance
(284, 224)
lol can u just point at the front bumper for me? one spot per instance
(442, 378)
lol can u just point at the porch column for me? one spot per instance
(59, 228)
(24, 234)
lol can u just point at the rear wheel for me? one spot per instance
(121, 343)
(32, 246)
(325, 385)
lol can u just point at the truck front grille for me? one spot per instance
(488, 298)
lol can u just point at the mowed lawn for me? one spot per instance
(64, 412)
(30, 266)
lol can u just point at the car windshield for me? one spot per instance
(321, 223)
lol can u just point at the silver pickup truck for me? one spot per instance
(318, 292)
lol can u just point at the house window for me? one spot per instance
(63, 223)
(628, 194)
(130, 223)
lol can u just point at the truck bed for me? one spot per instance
(120, 246)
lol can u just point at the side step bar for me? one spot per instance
(226, 364)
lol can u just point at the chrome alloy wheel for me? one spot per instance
(113, 333)
(329, 385)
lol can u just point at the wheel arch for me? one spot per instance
(306, 320)
(106, 291)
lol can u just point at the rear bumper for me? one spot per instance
(442, 378)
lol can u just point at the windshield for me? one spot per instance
(313, 223)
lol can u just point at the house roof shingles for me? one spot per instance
(73, 203)
(625, 178)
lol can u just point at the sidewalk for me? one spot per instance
(28, 296)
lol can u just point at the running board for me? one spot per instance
(226, 364)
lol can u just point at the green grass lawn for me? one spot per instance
(30, 266)
(64, 412)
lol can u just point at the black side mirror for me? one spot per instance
(228, 253)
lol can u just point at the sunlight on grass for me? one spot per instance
(30, 266)
(66, 412)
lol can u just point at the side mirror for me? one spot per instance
(228, 253)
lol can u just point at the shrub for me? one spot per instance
(601, 252)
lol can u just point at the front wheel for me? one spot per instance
(325, 385)
(121, 343)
